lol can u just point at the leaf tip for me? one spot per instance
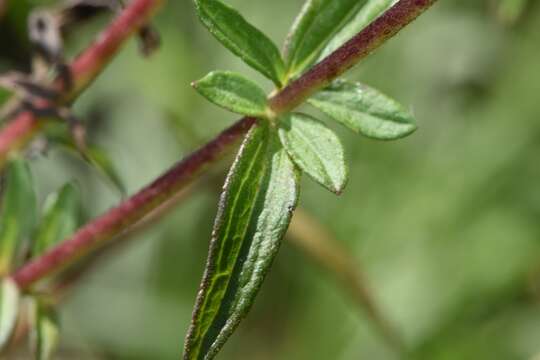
(338, 187)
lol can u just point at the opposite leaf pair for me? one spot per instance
(314, 147)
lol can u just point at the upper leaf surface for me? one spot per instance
(60, 218)
(233, 92)
(260, 193)
(242, 38)
(365, 110)
(315, 149)
(18, 212)
(369, 12)
(317, 22)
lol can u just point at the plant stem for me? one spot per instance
(118, 219)
(348, 55)
(84, 69)
(132, 210)
(319, 244)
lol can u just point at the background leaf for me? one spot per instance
(369, 12)
(233, 92)
(18, 213)
(315, 149)
(365, 110)
(101, 161)
(94, 155)
(242, 38)
(60, 218)
(9, 309)
(256, 206)
(317, 22)
(45, 332)
(509, 11)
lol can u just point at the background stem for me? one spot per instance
(84, 69)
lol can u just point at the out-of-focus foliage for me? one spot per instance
(445, 222)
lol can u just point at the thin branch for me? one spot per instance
(84, 69)
(134, 209)
(341, 60)
(318, 243)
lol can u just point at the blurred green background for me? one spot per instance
(444, 225)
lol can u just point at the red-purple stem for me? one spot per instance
(118, 219)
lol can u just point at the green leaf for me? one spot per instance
(365, 110)
(315, 149)
(242, 38)
(509, 11)
(99, 159)
(45, 331)
(9, 309)
(60, 218)
(369, 12)
(260, 194)
(233, 92)
(317, 22)
(94, 155)
(18, 212)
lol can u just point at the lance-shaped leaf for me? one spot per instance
(369, 12)
(260, 194)
(60, 218)
(315, 149)
(242, 38)
(18, 213)
(9, 309)
(45, 331)
(317, 22)
(233, 92)
(365, 110)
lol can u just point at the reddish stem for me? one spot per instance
(84, 70)
(129, 212)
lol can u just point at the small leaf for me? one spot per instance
(100, 160)
(18, 212)
(242, 38)
(9, 309)
(315, 149)
(317, 22)
(45, 331)
(365, 110)
(233, 92)
(60, 218)
(260, 194)
(95, 156)
(369, 12)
